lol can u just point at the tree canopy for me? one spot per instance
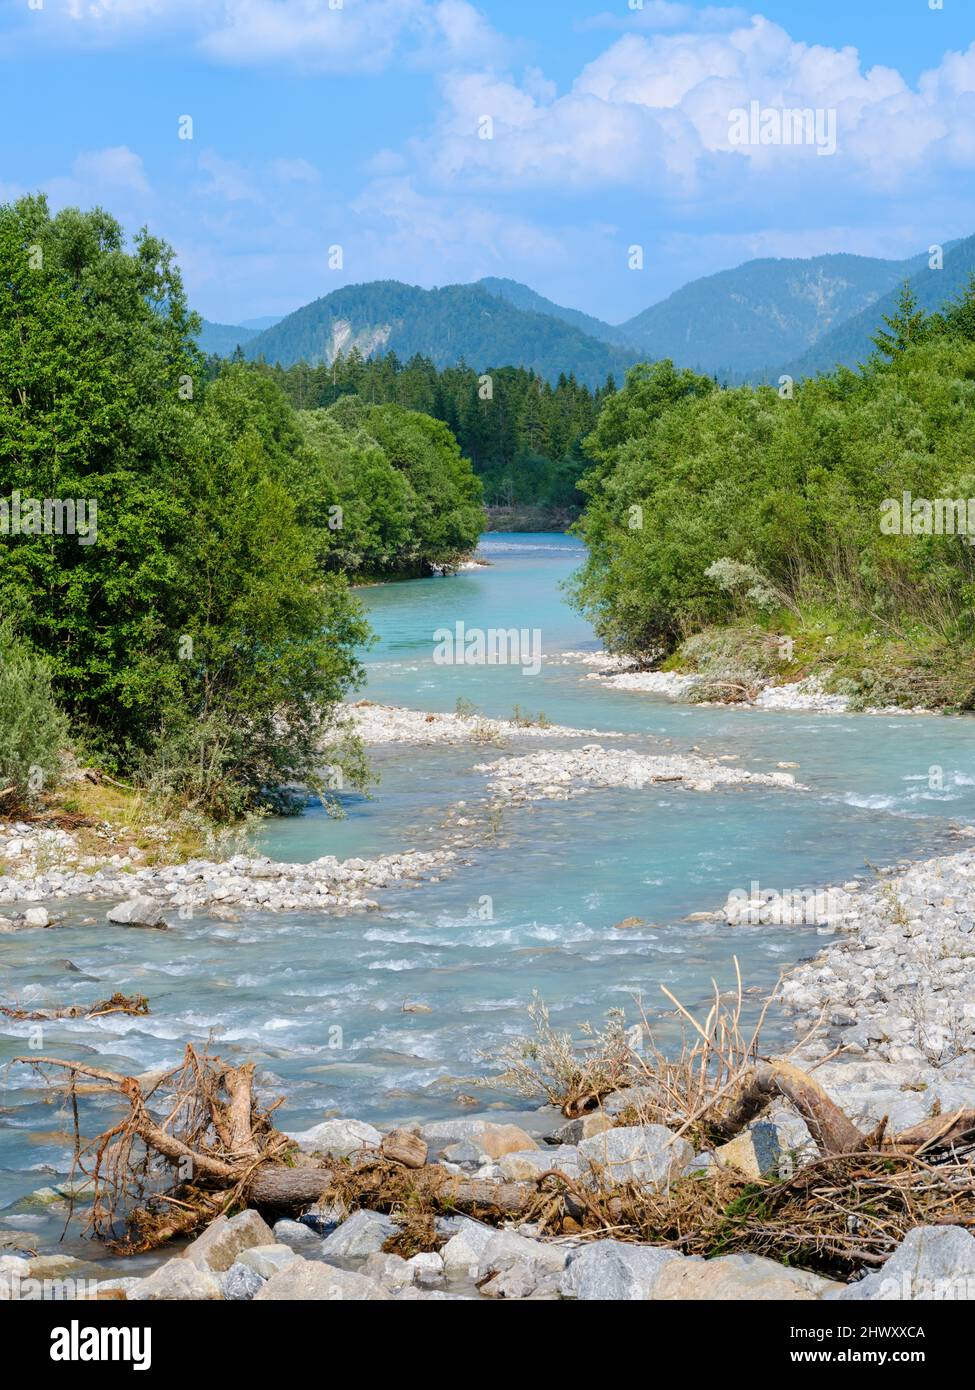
(791, 485)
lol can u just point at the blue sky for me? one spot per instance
(358, 123)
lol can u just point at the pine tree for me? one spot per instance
(907, 324)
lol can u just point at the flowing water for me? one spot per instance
(318, 1001)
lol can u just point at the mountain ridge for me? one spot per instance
(766, 317)
(450, 324)
(850, 343)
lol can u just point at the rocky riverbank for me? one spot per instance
(797, 697)
(893, 992)
(41, 865)
(334, 1253)
(894, 995)
(898, 985)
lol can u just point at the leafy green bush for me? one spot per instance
(197, 640)
(709, 506)
(33, 731)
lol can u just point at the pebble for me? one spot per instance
(559, 774)
(897, 984)
(328, 884)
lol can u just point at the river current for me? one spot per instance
(318, 1002)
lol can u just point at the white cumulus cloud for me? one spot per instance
(655, 112)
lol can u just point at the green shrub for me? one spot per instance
(33, 731)
(733, 663)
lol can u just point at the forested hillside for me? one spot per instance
(852, 341)
(744, 322)
(522, 434)
(459, 323)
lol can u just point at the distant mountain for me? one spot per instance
(524, 298)
(850, 343)
(449, 325)
(258, 325)
(223, 338)
(741, 325)
(764, 312)
(738, 324)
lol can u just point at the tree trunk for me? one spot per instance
(288, 1189)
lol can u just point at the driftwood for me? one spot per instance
(290, 1189)
(137, 1004)
(831, 1130)
(207, 1146)
(939, 1131)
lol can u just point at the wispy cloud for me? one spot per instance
(115, 177)
(310, 35)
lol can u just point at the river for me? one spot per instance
(318, 1001)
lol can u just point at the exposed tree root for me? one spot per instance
(195, 1142)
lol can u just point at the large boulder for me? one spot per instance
(223, 1241)
(614, 1271)
(536, 1124)
(240, 1284)
(177, 1281)
(117, 1290)
(475, 1250)
(646, 1154)
(13, 1270)
(307, 1280)
(267, 1260)
(402, 1146)
(364, 1233)
(525, 1167)
(296, 1234)
(498, 1140)
(137, 912)
(392, 1271)
(582, 1128)
(462, 1252)
(337, 1138)
(426, 1268)
(516, 1281)
(491, 1140)
(506, 1248)
(754, 1152)
(642, 1099)
(744, 1278)
(930, 1264)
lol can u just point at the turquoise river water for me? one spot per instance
(318, 1001)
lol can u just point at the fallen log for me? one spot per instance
(944, 1131)
(280, 1188)
(137, 1004)
(832, 1131)
(216, 1148)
